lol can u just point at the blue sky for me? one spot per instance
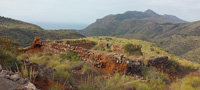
(87, 11)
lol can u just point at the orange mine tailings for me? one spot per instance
(35, 47)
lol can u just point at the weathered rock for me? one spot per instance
(30, 86)
(3, 73)
(14, 77)
(11, 73)
(7, 76)
(21, 81)
(6, 84)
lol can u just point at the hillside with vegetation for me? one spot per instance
(131, 22)
(169, 32)
(109, 63)
(23, 32)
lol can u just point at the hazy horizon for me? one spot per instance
(87, 11)
(57, 26)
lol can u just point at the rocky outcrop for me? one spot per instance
(43, 76)
(108, 63)
(12, 81)
(158, 62)
(6, 84)
(35, 47)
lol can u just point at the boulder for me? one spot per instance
(30, 86)
(3, 73)
(14, 77)
(6, 84)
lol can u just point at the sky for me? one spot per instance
(85, 12)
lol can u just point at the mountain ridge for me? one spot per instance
(23, 32)
(149, 26)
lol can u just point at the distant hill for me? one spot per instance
(24, 32)
(177, 36)
(147, 22)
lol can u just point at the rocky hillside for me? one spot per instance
(169, 32)
(147, 23)
(105, 61)
(23, 32)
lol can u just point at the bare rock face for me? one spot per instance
(6, 84)
(12, 81)
(30, 86)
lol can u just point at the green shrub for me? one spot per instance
(89, 70)
(77, 65)
(116, 82)
(99, 47)
(23, 57)
(7, 59)
(63, 73)
(69, 55)
(151, 73)
(8, 53)
(187, 83)
(9, 45)
(76, 58)
(173, 66)
(131, 49)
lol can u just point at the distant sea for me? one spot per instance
(57, 26)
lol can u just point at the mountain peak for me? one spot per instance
(151, 12)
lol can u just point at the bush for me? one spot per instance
(63, 73)
(76, 58)
(116, 82)
(7, 59)
(8, 53)
(151, 73)
(173, 66)
(131, 49)
(89, 70)
(23, 57)
(9, 45)
(187, 83)
(70, 55)
(99, 47)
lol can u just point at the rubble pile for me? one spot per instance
(109, 63)
(12, 81)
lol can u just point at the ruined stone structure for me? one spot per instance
(108, 64)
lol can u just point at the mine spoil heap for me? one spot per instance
(108, 64)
